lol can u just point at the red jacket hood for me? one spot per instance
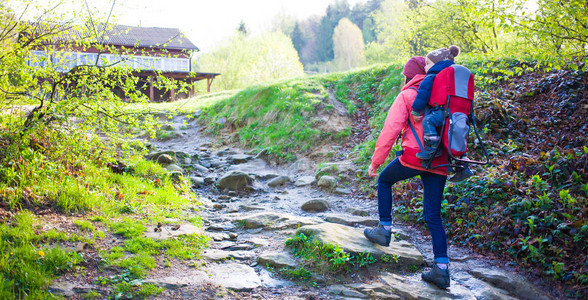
(414, 82)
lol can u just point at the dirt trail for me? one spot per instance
(248, 226)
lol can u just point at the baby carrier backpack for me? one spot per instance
(453, 91)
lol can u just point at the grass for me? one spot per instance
(186, 106)
(70, 173)
(325, 258)
(284, 117)
(28, 263)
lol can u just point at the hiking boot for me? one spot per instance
(461, 175)
(437, 276)
(378, 235)
(427, 153)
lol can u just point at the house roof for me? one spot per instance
(120, 35)
(151, 37)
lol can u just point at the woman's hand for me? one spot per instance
(417, 117)
(373, 170)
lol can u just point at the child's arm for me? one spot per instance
(423, 95)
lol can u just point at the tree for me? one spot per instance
(88, 93)
(309, 28)
(244, 61)
(392, 26)
(368, 30)
(324, 40)
(242, 28)
(283, 22)
(556, 26)
(324, 44)
(362, 11)
(297, 38)
(348, 45)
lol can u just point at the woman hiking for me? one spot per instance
(407, 165)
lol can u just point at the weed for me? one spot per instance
(326, 257)
(389, 258)
(128, 228)
(301, 274)
(84, 225)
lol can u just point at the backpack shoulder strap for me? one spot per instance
(415, 135)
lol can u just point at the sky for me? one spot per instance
(208, 22)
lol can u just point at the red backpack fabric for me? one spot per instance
(454, 88)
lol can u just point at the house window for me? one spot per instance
(87, 58)
(64, 61)
(38, 59)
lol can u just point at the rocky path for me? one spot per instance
(252, 207)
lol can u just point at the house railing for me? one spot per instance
(64, 61)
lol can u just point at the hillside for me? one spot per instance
(527, 207)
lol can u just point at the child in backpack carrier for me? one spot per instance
(436, 61)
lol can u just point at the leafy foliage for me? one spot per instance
(64, 151)
(348, 45)
(551, 31)
(244, 61)
(325, 257)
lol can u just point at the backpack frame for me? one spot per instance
(453, 90)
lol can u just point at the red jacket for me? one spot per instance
(396, 123)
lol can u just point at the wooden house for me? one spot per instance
(147, 50)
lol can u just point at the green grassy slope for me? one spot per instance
(61, 188)
(285, 117)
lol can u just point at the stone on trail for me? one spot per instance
(304, 181)
(155, 155)
(218, 236)
(239, 158)
(514, 284)
(210, 179)
(226, 226)
(165, 160)
(352, 240)
(280, 180)
(272, 220)
(234, 276)
(340, 290)
(181, 154)
(357, 212)
(259, 242)
(222, 255)
(277, 260)
(315, 205)
(327, 182)
(257, 167)
(197, 181)
(178, 282)
(415, 288)
(167, 231)
(480, 289)
(343, 190)
(174, 168)
(374, 291)
(250, 207)
(268, 280)
(201, 169)
(235, 180)
(351, 220)
(62, 288)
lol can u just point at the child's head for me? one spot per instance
(441, 54)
